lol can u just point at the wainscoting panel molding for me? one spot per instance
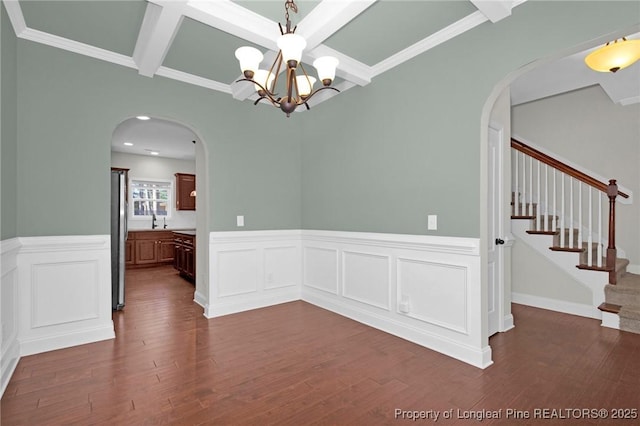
(367, 278)
(320, 266)
(9, 348)
(424, 286)
(426, 289)
(252, 269)
(64, 296)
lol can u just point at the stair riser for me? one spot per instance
(630, 325)
(617, 297)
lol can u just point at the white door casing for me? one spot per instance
(499, 235)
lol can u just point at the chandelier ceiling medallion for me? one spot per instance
(298, 84)
(614, 56)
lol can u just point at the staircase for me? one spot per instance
(563, 203)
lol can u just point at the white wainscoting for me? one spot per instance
(64, 292)
(252, 269)
(10, 348)
(425, 289)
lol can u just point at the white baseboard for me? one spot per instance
(51, 342)
(252, 302)
(610, 320)
(507, 323)
(200, 299)
(587, 311)
(10, 359)
(480, 358)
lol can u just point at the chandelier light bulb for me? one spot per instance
(614, 56)
(326, 67)
(304, 88)
(250, 59)
(263, 78)
(291, 45)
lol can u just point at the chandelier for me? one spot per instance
(298, 84)
(614, 56)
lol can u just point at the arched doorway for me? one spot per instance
(157, 154)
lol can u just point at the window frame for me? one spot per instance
(170, 195)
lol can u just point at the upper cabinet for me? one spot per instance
(185, 191)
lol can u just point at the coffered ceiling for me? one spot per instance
(194, 41)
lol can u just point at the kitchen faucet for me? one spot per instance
(153, 221)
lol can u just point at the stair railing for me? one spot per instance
(560, 200)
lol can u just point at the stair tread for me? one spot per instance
(571, 250)
(609, 307)
(534, 232)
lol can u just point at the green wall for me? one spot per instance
(383, 157)
(8, 128)
(378, 158)
(70, 105)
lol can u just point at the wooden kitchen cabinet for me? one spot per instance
(129, 250)
(185, 185)
(150, 248)
(185, 254)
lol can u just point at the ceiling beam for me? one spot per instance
(231, 18)
(160, 25)
(494, 10)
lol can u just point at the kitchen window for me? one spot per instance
(149, 197)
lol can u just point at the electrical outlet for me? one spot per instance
(240, 220)
(432, 222)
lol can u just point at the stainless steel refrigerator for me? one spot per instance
(118, 237)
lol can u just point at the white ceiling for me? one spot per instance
(168, 139)
(184, 39)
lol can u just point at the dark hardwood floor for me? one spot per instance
(296, 364)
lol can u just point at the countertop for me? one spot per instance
(190, 232)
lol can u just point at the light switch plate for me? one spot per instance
(432, 222)
(240, 220)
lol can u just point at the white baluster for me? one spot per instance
(563, 201)
(554, 226)
(524, 185)
(530, 211)
(599, 252)
(570, 212)
(590, 240)
(516, 191)
(580, 238)
(546, 197)
(539, 216)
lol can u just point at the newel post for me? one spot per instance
(612, 192)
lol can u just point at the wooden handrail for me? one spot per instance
(564, 168)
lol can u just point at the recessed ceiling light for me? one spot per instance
(154, 153)
(143, 117)
(128, 144)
